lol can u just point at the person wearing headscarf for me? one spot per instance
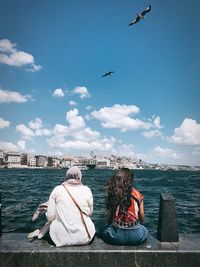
(67, 225)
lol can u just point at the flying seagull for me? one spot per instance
(140, 16)
(108, 73)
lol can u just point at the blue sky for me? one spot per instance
(53, 99)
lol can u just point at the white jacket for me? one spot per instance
(66, 225)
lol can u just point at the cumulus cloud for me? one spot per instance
(35, 129)
(152, 134)
(8, 146)
(166, 153)
(76, 135)
(72, 103)
(4, 123)
(89, 107)
(58, 93)
(43, 132)
(76, 122)
(9, 55)
(119, 116)
(12, 96)
(81, 91)
(26, 132)
(156, 122)
(187, 134)
(21, 145)
(35, 124)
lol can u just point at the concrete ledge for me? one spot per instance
(17, 251)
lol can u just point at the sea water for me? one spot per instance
(23, 189)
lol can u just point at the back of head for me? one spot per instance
(74, 173)
(119, 189)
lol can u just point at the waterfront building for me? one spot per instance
(24, 157)
(13, 159)
(31, 161)
(1, 157)
(66, 162)
(53, 162)
(103, 163)
(41, 161)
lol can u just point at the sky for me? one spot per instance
(54, 100)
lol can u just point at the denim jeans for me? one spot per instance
(133, 236)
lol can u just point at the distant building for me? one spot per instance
(41, 161)
(103, 163)
(53, 162)
(1, 157)
(13, 159)
(31, 161)
(24, 157)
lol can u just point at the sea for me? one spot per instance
(23, 189)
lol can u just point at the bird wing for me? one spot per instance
(148, 9)
(134, 21)
(110, 72)
(104, 75)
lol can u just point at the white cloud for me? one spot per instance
(42, 132)
(26, 132)
(12, 96)
(58, 93)
(166, 153)
(187, 134)
(35, 124)
(4, 123)
(86, 134)
(60, 129)
(34, 68)
(21, 145)
(7, 46)
(34, 130)
(72, 103)
(76, 135)
(156, 123)
(151, 134)
(89, 107)
(8, 146)
(9, 55)
(76, 122)
(81, 91)
(119, 116)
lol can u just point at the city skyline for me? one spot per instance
(54, 100)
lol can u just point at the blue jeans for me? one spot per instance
(133, 236)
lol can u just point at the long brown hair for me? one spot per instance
(119, 188)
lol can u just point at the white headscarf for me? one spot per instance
(74, 176)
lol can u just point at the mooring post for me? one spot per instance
(167, 221)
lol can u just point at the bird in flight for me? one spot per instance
(140, 16)
(108, 73)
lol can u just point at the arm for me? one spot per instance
(90, 205)
(50, 214)
(141, 211)
(109, 216)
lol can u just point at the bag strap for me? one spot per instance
(81, 212)
(136, 199)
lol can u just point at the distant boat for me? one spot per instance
(91, 166)
(82, 167)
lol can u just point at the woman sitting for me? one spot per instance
(69, 207)
(125, 209)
